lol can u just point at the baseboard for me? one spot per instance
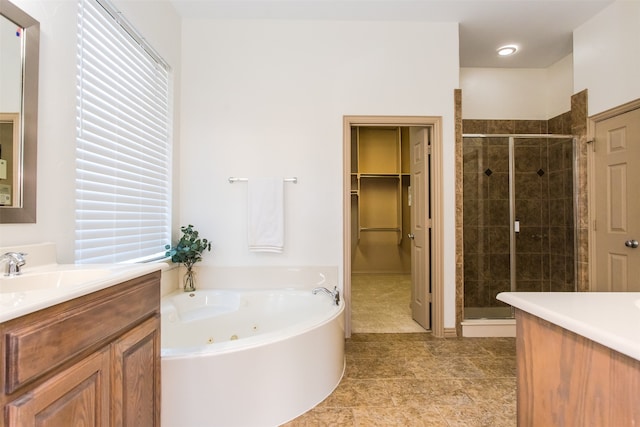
(450, 333)
(489, 328)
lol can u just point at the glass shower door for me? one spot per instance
(487, 244)
(543, 214)
(519, 227)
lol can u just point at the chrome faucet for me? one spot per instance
(14, 260)
(335, 294)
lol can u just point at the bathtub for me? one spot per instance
(248, 357)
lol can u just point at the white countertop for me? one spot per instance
(16, 303)
(608, 318)
(19, 297)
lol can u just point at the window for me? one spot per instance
(123, 150)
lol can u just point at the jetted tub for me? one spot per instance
(248, 357)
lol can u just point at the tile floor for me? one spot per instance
(381, 303)
(399, 379)
(417, 380)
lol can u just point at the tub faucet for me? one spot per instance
(14, 260)
(335, 294)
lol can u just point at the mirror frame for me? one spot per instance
(26, 212)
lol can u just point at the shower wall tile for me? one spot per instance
(567, 156)
(529, 212)
(497, 158)
(528, 158)
(556, 156)
(499, 266)
(529, 240)
(499, 214)
(500, 126)
(557, 189)
(530, 126)
(528, 186)
(560, 124)
(470, 212)
(529, 266)
(474, 126)
(473, 185)
(497, 287)
(557, 240)
(530, 286)
(579, 114)
(476, 240)
(498, 186)
(498, 239)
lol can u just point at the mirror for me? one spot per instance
(20, 51)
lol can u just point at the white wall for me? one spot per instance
(267, 98)
(517, 93)
(559, 87)
(606, 52)
(56, 121)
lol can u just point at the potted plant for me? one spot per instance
(187, 252)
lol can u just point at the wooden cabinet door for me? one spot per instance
(136, 376)
(78, 396)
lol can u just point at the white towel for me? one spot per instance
(266, 215)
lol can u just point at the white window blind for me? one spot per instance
(123, 146)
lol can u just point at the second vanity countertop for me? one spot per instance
(608, 318)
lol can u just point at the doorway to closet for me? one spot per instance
(388, 277)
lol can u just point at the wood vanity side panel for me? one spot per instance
(47, 339)
(565, 379)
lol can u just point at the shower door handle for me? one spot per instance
(631, 243)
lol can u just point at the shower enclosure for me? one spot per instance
(519, 218)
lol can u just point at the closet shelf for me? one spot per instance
(379, 175)
(395, 229)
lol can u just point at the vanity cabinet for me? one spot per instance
(90, 361)
(565, 379)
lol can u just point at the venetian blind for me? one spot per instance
(123, 146)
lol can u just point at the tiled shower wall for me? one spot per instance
(544, 207)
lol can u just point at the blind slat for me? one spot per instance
(123, 148)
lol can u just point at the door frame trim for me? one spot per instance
(591, 184)
(437, 232)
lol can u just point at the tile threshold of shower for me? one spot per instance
(476, 328)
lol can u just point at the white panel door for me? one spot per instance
(420, 227)
(617, 213)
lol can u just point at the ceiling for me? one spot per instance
(541, 28)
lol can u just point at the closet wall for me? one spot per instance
(380, 181)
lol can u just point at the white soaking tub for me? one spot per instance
(248, 357)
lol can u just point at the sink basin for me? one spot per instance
(50, 280)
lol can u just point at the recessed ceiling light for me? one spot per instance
(507, 50)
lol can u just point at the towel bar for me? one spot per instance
(233, 179)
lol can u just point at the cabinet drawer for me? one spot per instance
(40, 342)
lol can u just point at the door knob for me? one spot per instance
(411, 236)
(631, 243)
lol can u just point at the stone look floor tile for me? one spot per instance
(416, 380)
(386, 295)
(399, 417)
(399, 375)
